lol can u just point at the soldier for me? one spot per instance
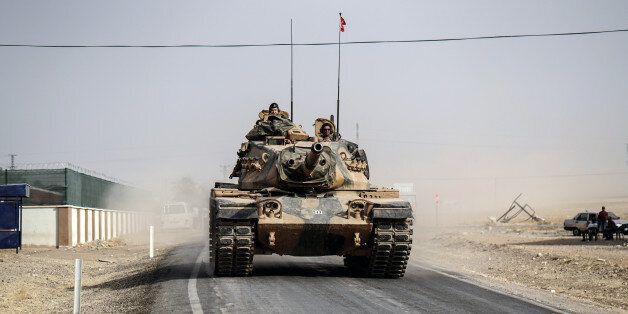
(325, 133)
(273, 108)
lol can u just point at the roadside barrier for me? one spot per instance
(65, 225)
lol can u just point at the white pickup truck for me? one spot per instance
(583, 222)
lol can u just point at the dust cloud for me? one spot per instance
(152, 201)
(474, 183)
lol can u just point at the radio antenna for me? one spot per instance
(291, 75)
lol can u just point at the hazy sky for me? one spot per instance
(446, 116)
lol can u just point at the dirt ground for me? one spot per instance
(117, 276)
(540, 258)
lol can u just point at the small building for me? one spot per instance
(70, 205)
(66, 184)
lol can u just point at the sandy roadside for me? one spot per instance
(539, 262)
(117, 277)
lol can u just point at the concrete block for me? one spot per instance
(109, 225)
(103, 230)
(96, 224)
(129, 220)
(81, 225)
(123, 223)
(89, 226)
(39, 226)
(73, 226)
(114, 224)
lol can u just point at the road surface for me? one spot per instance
(319, 284)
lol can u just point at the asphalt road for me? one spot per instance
(320, 284)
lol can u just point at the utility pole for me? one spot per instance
(12, 161)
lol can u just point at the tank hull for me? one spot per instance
(340, 223)
(312, 239)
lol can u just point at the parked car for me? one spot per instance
(586, 222)
(579, 222)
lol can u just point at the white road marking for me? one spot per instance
(195, 302)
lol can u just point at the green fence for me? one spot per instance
(70, 187)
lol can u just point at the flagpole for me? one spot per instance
(338, 95)
(291, 76)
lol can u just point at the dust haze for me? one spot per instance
(475, 122)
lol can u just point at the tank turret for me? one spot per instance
(281, 155)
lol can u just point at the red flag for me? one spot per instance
(342, 24)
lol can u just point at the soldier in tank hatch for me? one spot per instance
(273, 108)
(273, 111)
(326, 133)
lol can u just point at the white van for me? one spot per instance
(177, 215)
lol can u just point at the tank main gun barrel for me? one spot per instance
(312, 158)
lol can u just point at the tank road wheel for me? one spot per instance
(233, 248)
(392, 241)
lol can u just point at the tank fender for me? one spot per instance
(394, 210)
(238, 213)
(226, 209)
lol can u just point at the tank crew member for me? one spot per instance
(325, 133)
(273, 109)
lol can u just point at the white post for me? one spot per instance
(151, 232)
(437, 201)
(78, 265)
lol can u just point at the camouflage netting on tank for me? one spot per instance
(274, 126)
(69, 187)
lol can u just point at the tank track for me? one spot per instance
(233, 248)
(392, 241)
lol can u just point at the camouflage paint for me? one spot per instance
(311, 226)
(326, 209)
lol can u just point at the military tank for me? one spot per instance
(302, 197)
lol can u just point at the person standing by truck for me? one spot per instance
(602, 218)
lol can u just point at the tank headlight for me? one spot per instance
(269, 209)
(358, 209)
